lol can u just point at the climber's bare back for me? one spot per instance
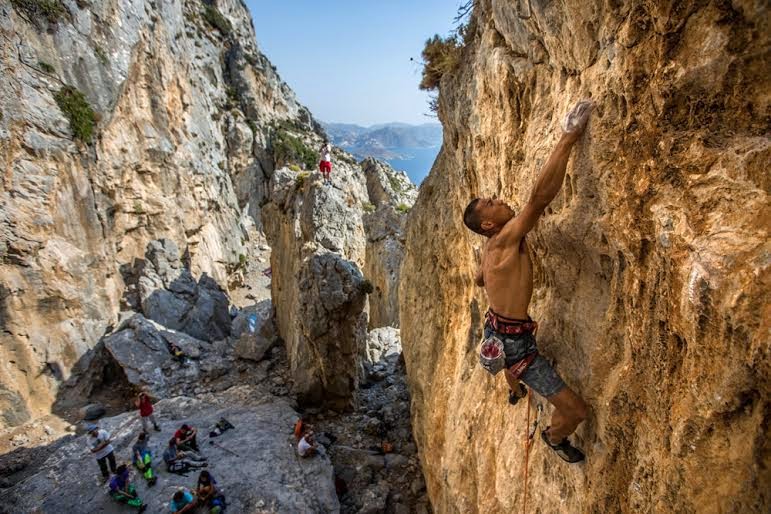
(507, 272)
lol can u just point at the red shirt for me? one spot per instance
(145, 407)
(181, 434)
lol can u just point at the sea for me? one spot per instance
(416, 162)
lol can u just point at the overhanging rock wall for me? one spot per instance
(650, 266)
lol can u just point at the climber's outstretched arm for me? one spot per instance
(546, 188)
(551, 177)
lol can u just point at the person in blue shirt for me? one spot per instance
(183, 501)
(208, 493)
(123, 491)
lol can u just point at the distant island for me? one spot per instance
(412, 148)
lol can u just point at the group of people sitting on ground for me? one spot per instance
(181, 455)
(206, 495)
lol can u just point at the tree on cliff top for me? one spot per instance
(440, 56)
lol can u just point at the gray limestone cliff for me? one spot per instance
(326, 260)
(122, 122)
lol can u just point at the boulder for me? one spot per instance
(171, 296)
(92, 411)
(381, 343)
(255, 331)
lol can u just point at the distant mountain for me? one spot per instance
(384, 141)
(411, 148)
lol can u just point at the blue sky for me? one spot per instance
(349, 60)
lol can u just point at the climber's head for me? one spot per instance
(487, 216)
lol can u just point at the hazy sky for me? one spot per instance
(349, 60)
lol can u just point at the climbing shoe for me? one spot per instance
(564, 449)
(142, 507)
(514, 397)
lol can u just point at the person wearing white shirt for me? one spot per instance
(99, 441)
(325, 165)
(306, 447)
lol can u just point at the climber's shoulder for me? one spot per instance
(515, 230)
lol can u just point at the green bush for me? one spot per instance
(403, 208)
(440, 56)
(45, 67)
(75, 107)
(288, 149)
(396, 184)
(300, 180)
(368, 207)
(242, 260)
(101, 54)
(215, 18)
(295, 168)
(51, 10)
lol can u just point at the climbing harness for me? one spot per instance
(510, 326)
(491, 353)
(529, 437)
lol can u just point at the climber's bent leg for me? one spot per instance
(516, 389)
(570, 410)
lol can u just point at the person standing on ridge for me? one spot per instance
(325, 165)
(506, 273)
(145, 406)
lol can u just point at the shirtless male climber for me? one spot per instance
(506, 273)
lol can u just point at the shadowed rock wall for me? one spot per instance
(650, 266)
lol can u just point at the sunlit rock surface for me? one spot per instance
(651, 266)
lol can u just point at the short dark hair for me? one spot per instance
(120, 469)
(471, 217)
(178, 495)
(173, 441)
(142, 436)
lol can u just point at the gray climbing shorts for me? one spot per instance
(539, 376)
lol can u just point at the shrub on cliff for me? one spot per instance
(288, 149)
(75, 107)
(440, 56)
(215, 18)
(51, 10)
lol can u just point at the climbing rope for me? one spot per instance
(527, 449)
(529, 438)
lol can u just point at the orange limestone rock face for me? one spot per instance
(650, 266)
